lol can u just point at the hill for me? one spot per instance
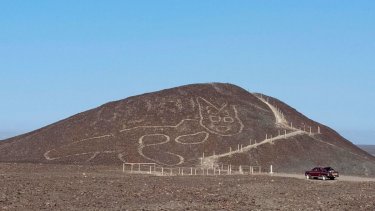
(199, 124)
(368, 148)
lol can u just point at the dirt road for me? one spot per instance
(59, 187)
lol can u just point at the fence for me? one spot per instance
(153, 168)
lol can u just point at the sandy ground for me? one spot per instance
(61, 187)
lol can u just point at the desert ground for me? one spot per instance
(69, 187)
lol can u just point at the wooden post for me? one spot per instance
(318, 129)
(123, 167)
(150, 169)
(191, 171)
(271, 172)
(310, 130)
(162, 171)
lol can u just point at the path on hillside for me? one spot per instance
(212, 160)
(280, 119)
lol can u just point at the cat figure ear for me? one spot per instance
(222, 121)
(205, 107)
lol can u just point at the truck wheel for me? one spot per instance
(324, 177)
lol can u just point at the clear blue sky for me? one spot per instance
(58, 58)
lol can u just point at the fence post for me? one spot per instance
(123, 167)
(150, 169)
(162, 171)
(271, 172)
(284, 133)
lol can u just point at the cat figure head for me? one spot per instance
(222, 120)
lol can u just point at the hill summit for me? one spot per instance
(199, 124)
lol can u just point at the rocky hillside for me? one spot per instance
(200, 124)
(368, 148)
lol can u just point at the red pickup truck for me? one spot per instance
(322, 172)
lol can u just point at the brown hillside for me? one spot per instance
(175, 127)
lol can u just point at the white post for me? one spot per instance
(162, 171)
(238, 147)
(150, 169)
(271, 172)
(318, 129)
(123, 167)
(191, 171)
(310, 130)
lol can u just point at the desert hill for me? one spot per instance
(368, 148)
(200, 124)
